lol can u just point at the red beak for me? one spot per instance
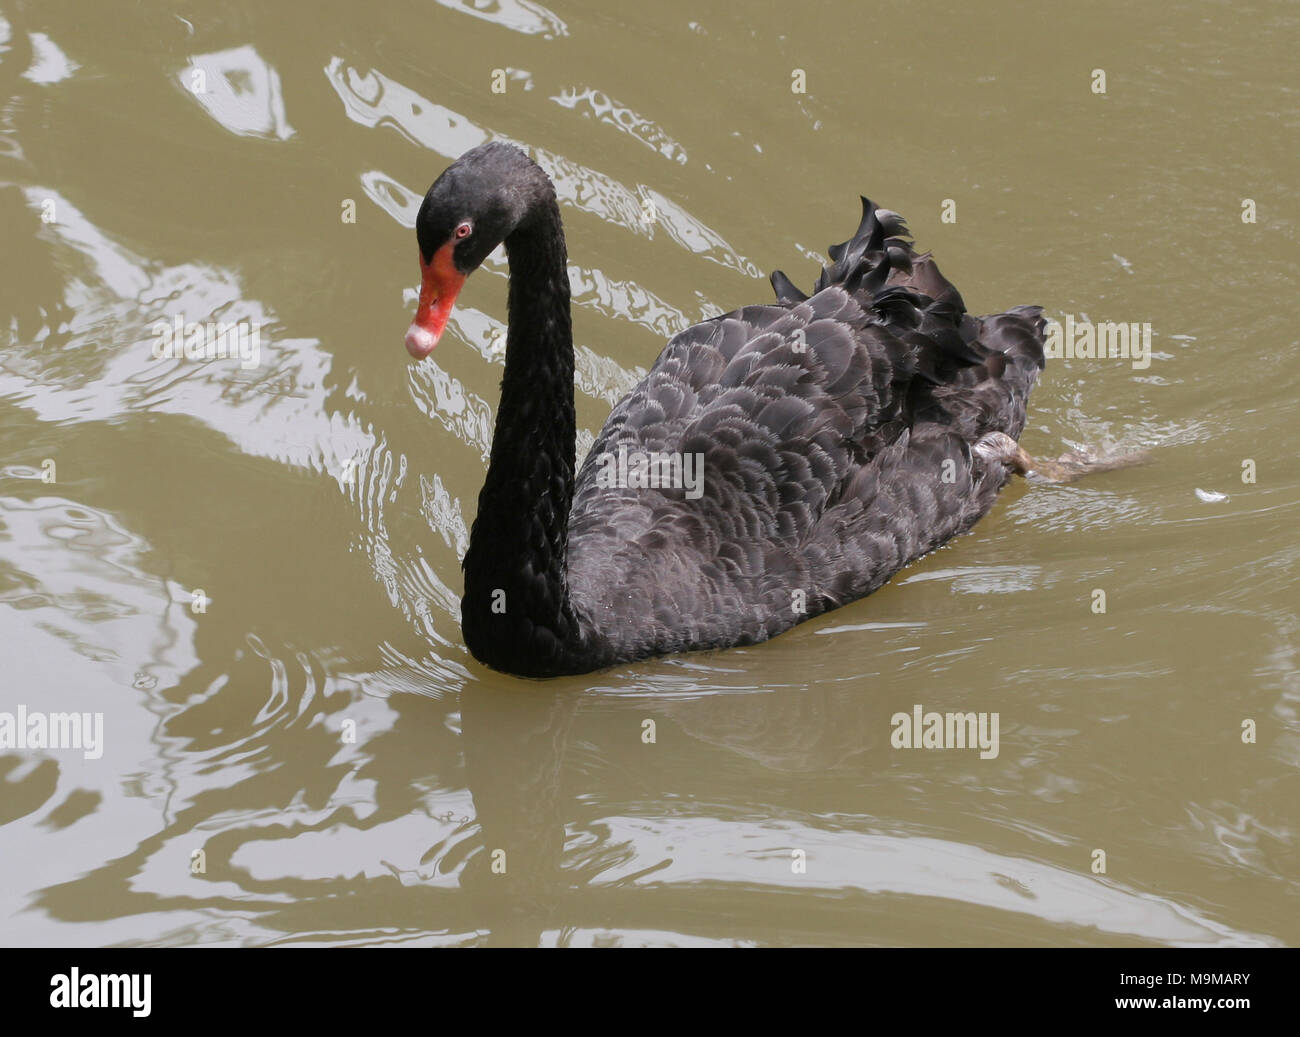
(440, 283)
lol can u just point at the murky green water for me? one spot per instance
(314, 757)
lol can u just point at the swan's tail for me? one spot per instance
(878, 252)
(973, 374)
(965, 374)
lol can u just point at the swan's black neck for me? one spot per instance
(515, 613)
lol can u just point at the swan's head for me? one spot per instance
(477, 202)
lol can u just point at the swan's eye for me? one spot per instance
(463, 231)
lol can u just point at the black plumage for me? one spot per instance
(843, 435)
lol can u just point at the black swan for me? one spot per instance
(842, 435)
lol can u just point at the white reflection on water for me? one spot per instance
(722, 852)
(597, 105)
(49, 63)
(525, 16)
(240, 91)
(112, 303)
(373, 99)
